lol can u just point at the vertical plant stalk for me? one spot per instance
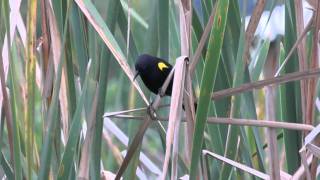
(185, 14)
(271, 134)
(314, 64)
(31, 64)
(113, 11)
(188, 102)
(185, 24)
(302, 56)
(175, 117)
(312, 86)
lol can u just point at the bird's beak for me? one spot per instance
(136, 75)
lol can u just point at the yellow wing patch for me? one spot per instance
(162, 65)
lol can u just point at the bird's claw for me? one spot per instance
(152, 112)
(161, 92)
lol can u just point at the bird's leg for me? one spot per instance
(161, 92)
(151, 111)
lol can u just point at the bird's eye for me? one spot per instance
(162, 66)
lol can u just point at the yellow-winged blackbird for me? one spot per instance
(153, 72)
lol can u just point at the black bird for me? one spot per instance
(153, 72)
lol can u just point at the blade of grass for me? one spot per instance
(207, 82)
(257, 65)
(53, 122)
(291, 106)
(240, 76)
(70, 85)
(74, 134)
(113, 8)
(18, 143)
(6, 103)
(31, 63)
(221, 108)
(85, 152)
(56, 46)
(164, 32)
(123, 25)
(77, 29)
(53, 109)
(248, 107)
(6, 167)
(15, 124)
(174, 36)
(134, 14)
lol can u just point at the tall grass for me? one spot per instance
(71, 109)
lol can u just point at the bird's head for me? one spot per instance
(144, 64)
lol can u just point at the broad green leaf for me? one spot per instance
(292, 105)
(207, 82)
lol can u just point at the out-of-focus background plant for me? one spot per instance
(70, 109)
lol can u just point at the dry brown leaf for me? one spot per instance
(175, 111)
(270, 112)
(56, 50)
